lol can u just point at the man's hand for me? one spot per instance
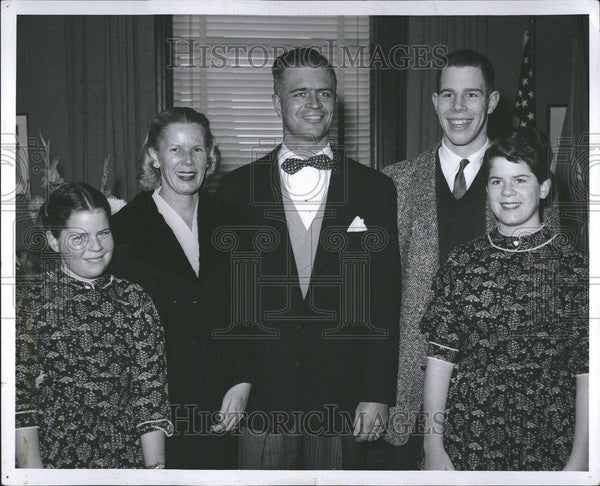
(233, 407)
(370, 421)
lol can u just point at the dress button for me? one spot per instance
(301, 329)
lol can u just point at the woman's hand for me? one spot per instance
(233, 407)
(437, 459)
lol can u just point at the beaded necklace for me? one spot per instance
(517, 250)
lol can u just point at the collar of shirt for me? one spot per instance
(450, 163)
(99, 282)
(286, 153)
(307, 189)
(188, 239)
(308, 185)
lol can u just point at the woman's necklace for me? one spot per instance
(518, 250)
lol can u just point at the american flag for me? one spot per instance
(524, 111)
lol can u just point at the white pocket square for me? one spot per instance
(357, 225)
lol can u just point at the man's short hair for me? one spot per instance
(296, 58)
(468, 58)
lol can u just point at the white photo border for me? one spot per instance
(12, 9)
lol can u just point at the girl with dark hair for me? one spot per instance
(163, 239)
(506, 384)
(90, 365)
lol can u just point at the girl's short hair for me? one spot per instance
(522, 145)
(149, 176)
(67, 198)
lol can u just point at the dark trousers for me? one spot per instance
(381, 455)
(262, 450)
(407, 457)
(310, 452)
(202, 452)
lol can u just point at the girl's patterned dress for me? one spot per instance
(512, 314)
(90, 370)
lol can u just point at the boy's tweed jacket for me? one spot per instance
(419, 256)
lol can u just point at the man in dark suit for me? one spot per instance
(315, 285)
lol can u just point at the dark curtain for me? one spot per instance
(112, 95)
(163, 30)
(572, 160)
(388, 93)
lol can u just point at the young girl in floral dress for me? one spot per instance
(506, 384)
(90, 361)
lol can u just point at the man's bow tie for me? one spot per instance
(293, 165)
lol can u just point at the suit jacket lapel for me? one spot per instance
(337, 210)
(153, 239)
(270, 213)
(209, 218)
(424, 229)
(163, 248)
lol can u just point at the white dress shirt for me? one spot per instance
(450, 163)
(188, 239)
(307, 188)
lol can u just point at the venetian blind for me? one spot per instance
(223, 69)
